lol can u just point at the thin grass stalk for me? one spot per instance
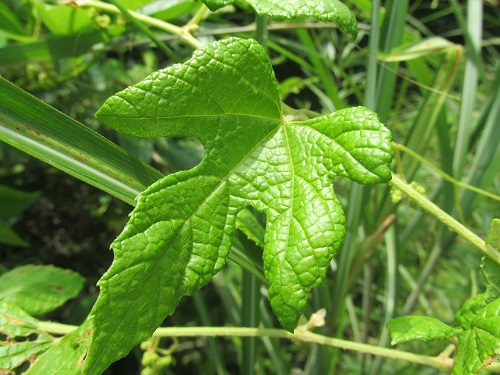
(391, 35)
(250, 317)
(390, 294)
(277, 352)
(366, 308)
(412, 283)
(206, 320)
(430, 112)
(324, 74)
(433, 258)
(484, 163)
(142, 27)
(355, 197)
(469, 83)
(229, 297)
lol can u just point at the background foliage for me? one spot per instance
(428, 68)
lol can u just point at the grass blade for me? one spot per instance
(474, 26)
(47, 134)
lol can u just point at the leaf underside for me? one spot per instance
(180, 232)
(423, 328)
(323, 10)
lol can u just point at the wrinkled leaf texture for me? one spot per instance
(479, 342)
(180, 232)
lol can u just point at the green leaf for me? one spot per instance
(9, 237)
(66, 356)
(65, 20)
(323, 10)
(490, 271)
(22, 341)
(179, 235)
(493, 237)
(480, 343)
(15, 322)
(217, 4)
(423, 328)
(39, 289)
(9, 21)
(248, 224)
(13, 201)
(467, 313)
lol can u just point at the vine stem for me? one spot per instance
(445, 218)
(182, 32)
(444, 364)
(443, 174)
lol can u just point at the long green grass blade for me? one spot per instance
(484, 162)
(391, 36)
(474, 26)
(324, 74)
(47, 134)
(428, 116)
(250, 317)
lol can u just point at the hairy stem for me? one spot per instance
(443, 174)
(183, 33)
(445, 218)
(444, 364)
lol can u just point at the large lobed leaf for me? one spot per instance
(323, 10)
(180, 232)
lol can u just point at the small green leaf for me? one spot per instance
(217, 4)
(64, 20)
(469, 310)
(493, 237)
(9, 237)
(490, 271)
(480, 343)
(13, 201)
(250, 226)
(423, 328)
(323, 10)
(180, 233)
(21, 339)
(15, 322)
(39, 289)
